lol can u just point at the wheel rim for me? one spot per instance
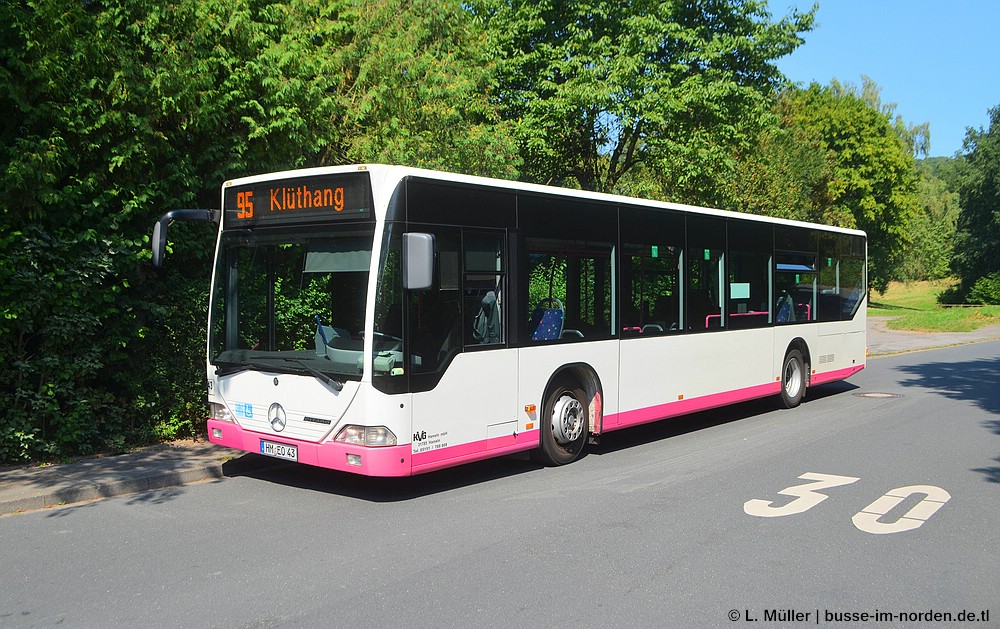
(793, 378)
(567, 420)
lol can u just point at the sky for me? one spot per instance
(937, 60)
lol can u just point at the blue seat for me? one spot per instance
(547, 320)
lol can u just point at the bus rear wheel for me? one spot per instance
(793, 379)
(565, 423)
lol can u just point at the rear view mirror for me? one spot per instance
(159, 243)
(160, 229)
(418, 261)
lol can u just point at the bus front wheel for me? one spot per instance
(565, 423)
(793, 379)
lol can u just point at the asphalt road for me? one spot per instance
(675, 524)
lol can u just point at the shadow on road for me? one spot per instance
(976, 381)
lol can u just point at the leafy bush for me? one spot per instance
(952, 295)
(986, 290)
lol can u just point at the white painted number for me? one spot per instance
(867, 518)
(806, 496)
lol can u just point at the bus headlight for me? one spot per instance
(220, 412)
(370, 436)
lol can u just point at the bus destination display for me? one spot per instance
(306, 199)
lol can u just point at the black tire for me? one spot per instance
(565, 424)
(793, 379)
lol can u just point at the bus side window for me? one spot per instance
(706, 241)
(795, 287)
(486, 324)
(569, 290)
(483, 287)
(749, 253)
(434, 315)
(569, 256)
(546, 293)
(651, 275)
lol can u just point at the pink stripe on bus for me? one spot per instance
(706, 402)
(683, 407)
(474, 451)
(388, 461)
(833, 376)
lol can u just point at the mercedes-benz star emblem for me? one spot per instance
(276, 415)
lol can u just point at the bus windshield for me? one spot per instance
(291, 300)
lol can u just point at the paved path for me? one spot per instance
(882, 340)
(30, 488)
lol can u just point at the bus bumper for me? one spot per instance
(384, 461)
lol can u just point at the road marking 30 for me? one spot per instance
(808, 496)
(867, 518)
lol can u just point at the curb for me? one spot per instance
(49, 489)
(87, 490)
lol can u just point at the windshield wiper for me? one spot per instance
(232, 368)
(336, 385)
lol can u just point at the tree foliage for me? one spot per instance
(874, 182)
(931, 228)
(601, 89)
(787, 173)
(393, 81)
(977, 244)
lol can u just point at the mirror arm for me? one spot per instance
(160, 228)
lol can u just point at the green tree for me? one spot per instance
(787, 173)
(874, 184)
(115, 114)
(977, 243)
(392, 81)
(602, 89)
(932, 229)
(944, 168)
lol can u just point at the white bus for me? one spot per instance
(390, 321)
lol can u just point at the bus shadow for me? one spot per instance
(402, 489)
(390, 489)
(676, 426)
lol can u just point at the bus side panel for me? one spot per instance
(834, 350)
(785, 335)
(537, 365)
(671, 375)
(840, 351)
(471, 413)
(837, 356)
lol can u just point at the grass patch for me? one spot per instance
(901, 297)
(946, 319)
(914, 307)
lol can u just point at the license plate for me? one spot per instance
(280, 450)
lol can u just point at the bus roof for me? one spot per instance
(390, 174)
